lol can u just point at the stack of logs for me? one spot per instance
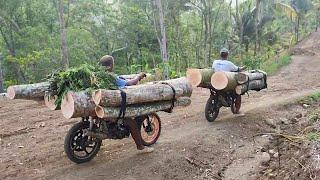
(140, 99)
(240, 82)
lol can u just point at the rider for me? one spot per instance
(225, 65)
(108, 62)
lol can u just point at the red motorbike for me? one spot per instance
(84, 139)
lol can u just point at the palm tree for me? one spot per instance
(295, 11)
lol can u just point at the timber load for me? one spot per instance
(240, 82)
(140, 100)
(38, 91)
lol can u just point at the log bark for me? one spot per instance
(50, 102)
(252, 85)
(224, 80)
(1, 75)
(200, 77)
(244, 77)
(181, 83)
(140, 109)
(28, 91)
(135, 95)
(77, 104)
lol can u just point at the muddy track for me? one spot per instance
(189, 147)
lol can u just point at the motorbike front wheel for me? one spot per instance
(79, 147)
(150, 128)
(211, 109)
(234, 109)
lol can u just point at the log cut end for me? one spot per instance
(50, 102)
(68, 105)
(96, 96)
(11, 92)
(100, 111)
(194, 77)
(219, 80)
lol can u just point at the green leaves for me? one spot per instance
(84, 77)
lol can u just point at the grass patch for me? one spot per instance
(311, 99)
(274, 65)
(314, 136)
(314, 117)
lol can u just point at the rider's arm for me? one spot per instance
(232, 67)
(135, 80)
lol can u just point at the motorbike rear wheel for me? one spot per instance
(211, 109)
(78, 147)
(150, 128)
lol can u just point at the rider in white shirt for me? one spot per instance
(225, 65)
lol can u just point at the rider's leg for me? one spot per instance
(132, 124)
(238, 104)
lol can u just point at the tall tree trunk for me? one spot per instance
(10, 43)
(257, 24)
(63, 34)
(1, 75)
(298, 29)
(206, 19)
(239, 19)
(213, 25)
(164, 49)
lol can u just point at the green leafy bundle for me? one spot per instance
(83, 78)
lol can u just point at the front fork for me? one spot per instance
(147, 128)
(215, 95)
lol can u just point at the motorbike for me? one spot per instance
(220, 99)
(84, 139)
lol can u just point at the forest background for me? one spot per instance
(38, 37)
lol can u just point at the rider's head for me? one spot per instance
(224, 53)
(107, 62)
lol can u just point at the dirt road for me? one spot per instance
(189, 147)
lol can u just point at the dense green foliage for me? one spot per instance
(30, 33)
(85, 77)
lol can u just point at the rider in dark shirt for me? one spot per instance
(108, 62)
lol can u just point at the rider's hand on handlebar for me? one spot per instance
(142, 75)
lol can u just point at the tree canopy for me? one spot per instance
(38, 37)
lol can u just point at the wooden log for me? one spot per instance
(136, 94)
(50, 102)
(244, 77)
(77, 104)
(224, 80)
(181, 83)
(28, 91)
(200, 77)
(140, 109)
(252, 85)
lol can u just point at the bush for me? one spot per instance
(272, 66)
